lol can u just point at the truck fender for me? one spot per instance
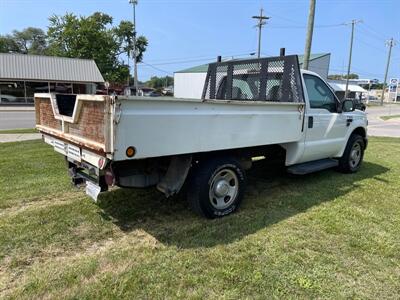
(358, 130)
(176, 175)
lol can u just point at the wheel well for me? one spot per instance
(361, 131)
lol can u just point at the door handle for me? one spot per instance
(310, 122)
(348, 121)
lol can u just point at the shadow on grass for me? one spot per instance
(271, 196)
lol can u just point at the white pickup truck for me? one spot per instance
(250, 108)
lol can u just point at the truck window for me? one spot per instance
(247, 87)
(275, 79)
(244, 87)
(241, 89)
(319, 94)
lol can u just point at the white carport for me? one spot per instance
(339, 88)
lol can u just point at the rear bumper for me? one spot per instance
(74, 153)
(82, 173)
(83, 165)
(72, 139)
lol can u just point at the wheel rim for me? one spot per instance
(223, 189)
(355, 155)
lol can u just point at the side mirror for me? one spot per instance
(348, 105)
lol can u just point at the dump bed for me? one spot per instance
(81, 120)
(245, 104)
(160, 127)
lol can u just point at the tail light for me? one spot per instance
(109, 177)
(101, 162)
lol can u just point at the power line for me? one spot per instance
(162, 60)
(369, 45)
(303, 27)
(167, 62)
(373, 33)
(363, 72)
(286, 19)
(183, 61)
(158, 69)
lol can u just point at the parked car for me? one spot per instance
(370, 98)
(168, 91)
(152, 94)
(8, 98)
(251, 108)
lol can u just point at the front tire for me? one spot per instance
(353, 155)
(217, 187)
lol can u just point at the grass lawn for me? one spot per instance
(325, 235)
(22, 130)
(385, 118)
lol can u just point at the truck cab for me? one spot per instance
(328, 122)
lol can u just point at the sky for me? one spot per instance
(186, 33)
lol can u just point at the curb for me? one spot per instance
(13, 109)
(19, 137)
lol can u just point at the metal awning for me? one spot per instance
(341, 87)
(24, 67)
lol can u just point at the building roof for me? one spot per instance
(48, 68)
(341, 87)
(203, 68)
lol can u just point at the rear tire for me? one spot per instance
(353, 155)
(216, 187)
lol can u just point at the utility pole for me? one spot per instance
(129, 74)
(353, 23)
(261, 22)
(389, 43)
(310, 29)
(135, 74)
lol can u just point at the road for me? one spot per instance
(379, 127)
(17, 119)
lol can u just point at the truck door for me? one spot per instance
(325, 127)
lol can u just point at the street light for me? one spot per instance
(135, 79)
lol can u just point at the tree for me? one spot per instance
(94, 37)
(28, 41)
(124, 34)
(352, 76)
(7, 44)
(159, 82)
(341, 77)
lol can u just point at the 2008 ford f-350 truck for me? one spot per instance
(249, 108)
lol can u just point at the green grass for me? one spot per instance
(17, 131)
(325, 235)
(385, 118)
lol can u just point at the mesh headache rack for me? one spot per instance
(275, 79)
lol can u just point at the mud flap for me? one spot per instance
(176, 175)
(92, 190)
